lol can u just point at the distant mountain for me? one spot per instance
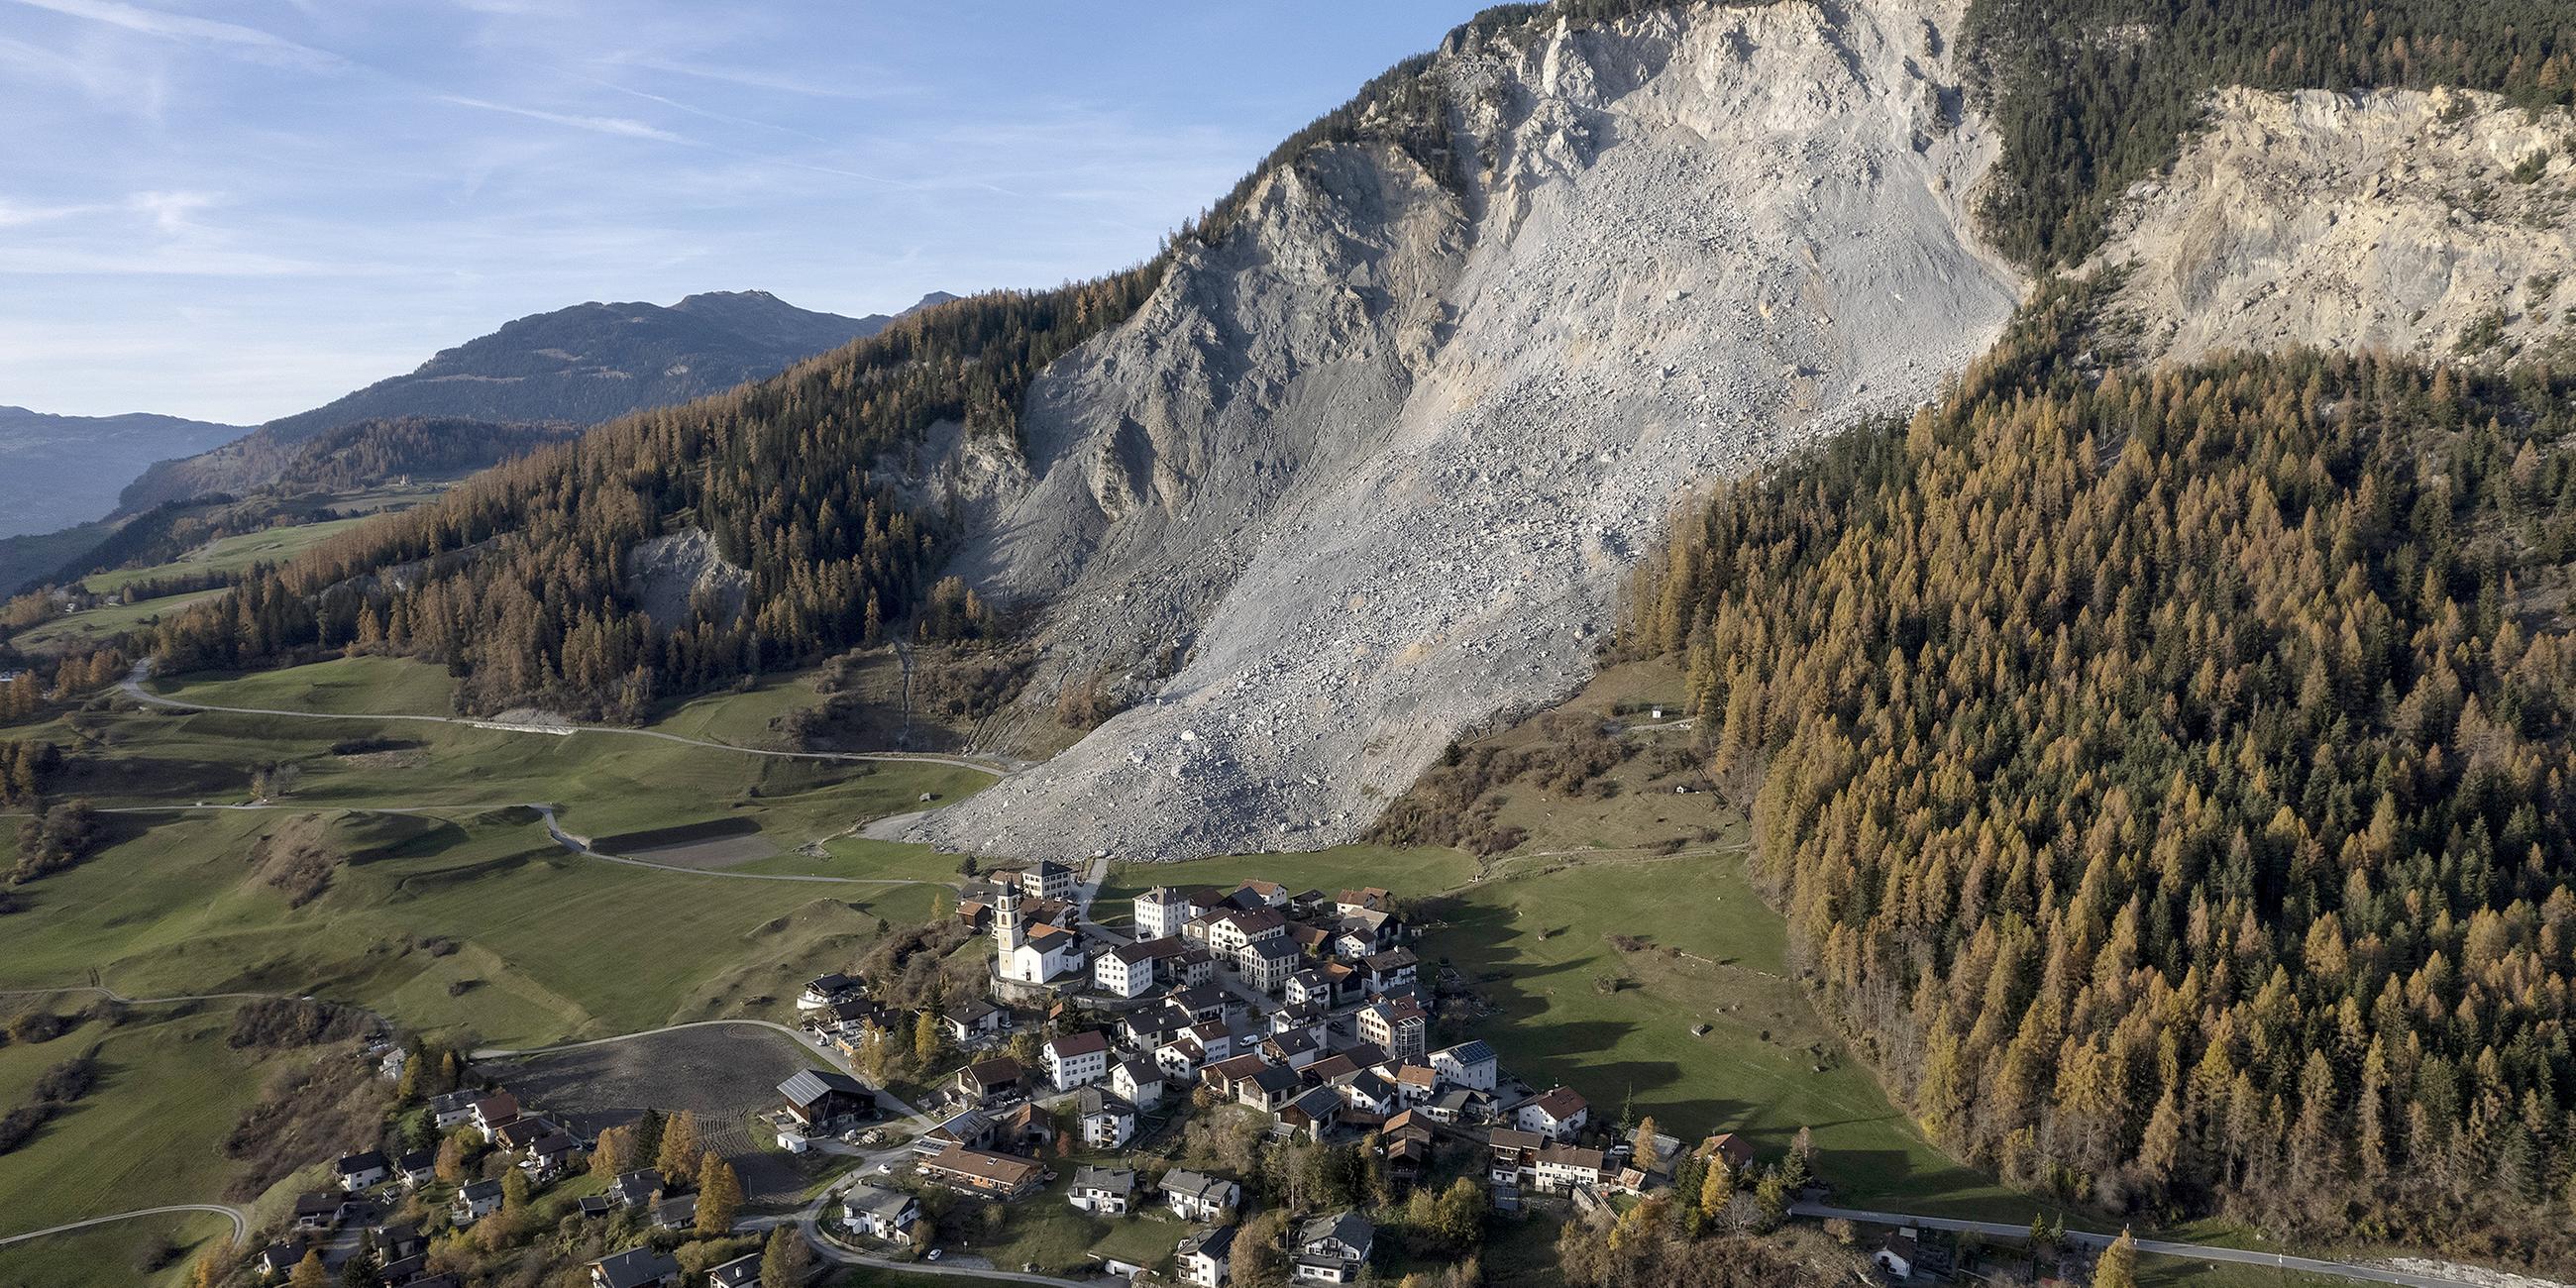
(56, 471)
(580, 366)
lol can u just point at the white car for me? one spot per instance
(932, 1255)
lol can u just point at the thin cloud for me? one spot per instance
(756, 78)
(233, 37)
(616, 125)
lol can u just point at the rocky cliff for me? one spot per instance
(1366, 472)
(2433, 223)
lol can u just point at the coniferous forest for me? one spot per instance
(2168, 779)
(2090, 96)
(514, 579)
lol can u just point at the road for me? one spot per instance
(579, 845)
(133, 686)
(239, 1218)
(2192, 1251)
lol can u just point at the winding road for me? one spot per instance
(133, 687)
(239, 1218)
(2193, 1251)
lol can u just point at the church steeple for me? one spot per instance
(1006, 921)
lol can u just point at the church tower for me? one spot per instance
(1006, 922)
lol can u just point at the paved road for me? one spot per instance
(133, 687)
(2193, 1251)
(239, 1218)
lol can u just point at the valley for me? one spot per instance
(1907, 642)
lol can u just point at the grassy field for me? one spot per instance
(97, 625)
(113, 1253)
(462, 918)
(167, 1077)
(226, 554)
(469, 926)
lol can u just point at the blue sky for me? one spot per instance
(236, 211)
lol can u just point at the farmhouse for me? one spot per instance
(417, 1168)
(1311, 1113)
(976, 1172)
(1562, 1167)
(1266, 964)
(824, 1100)
(1196, 1196)
(741, 1272)
(1078, 1060)
(1351, 903)
(1730, 1147)
(551, 1156)
(453, 1109)
(1391, 969)
(477, 1200)
(492, 1111)
(1125, 971)
(1162, 911)
(676, 1213)
(1107, 1121)
(973, 1019)
(879, 1213)
(635, 1268)
(1333, 1249)
(1468, 1064)
(987, 1081)
(362, 1171)
(1399, 1026)
(1103, 1191)
(1141, 1083)
(971, 1129)
(636, 1189)
(823, 990)
(1206, 1258)
(1231, 932)
(1557, 1113)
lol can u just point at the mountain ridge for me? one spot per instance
(59, 470)
(580, 365)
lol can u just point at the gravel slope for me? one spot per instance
(1368, 474)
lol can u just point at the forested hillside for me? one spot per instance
(2168, 780)
(513, 578)
(579, 366)
(2091, 96)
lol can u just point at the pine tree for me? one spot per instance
(719, 1196)
(2118, 1267)
(1717, 1189)
(613, 1154)
(680, 1149)
(786, 1259)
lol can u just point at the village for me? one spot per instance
(1099, 1060)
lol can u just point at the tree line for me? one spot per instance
(2168, 779)
(2090, 96)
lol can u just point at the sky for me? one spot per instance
(236, 211)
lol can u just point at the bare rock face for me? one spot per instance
(2397, 220)
(669, 573)
(1367, 474)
